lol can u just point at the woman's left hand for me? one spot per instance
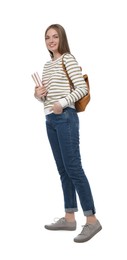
(57, 108)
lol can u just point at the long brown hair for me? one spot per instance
(63, 41)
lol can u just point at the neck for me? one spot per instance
(56, 56)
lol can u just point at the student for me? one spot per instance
(62, 124)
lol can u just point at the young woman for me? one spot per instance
(62, 124)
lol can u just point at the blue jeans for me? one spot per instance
(63, 135)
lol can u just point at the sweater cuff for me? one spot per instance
(63, 102)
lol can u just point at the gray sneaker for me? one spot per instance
(62, 224)
(88, 231)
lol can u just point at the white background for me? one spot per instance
(30, 190)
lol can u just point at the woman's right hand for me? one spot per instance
(40, 92)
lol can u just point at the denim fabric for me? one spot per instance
(63, 135)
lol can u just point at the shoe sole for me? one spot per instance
(59, 228)
(86, 239)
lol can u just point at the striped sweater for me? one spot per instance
(55, 80)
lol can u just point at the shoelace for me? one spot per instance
(84, 227)
(58, 220)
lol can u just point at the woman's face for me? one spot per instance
(52, 41)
